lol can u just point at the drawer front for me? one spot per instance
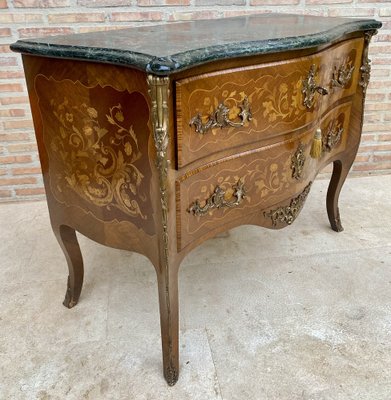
(223, 110)
(234, 187)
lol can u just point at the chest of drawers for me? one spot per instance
(154, 139)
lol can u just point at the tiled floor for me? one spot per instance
(300, 313)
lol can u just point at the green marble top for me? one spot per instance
(168, 48)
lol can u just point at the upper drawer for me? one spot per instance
(221, 110)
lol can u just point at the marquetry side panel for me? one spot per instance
(93, 129)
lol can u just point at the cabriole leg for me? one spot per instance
(340, 172)
(67, 239)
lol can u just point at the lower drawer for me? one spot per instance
(232, 188)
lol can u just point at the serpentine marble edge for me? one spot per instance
(165, 49)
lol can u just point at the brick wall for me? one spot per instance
(19, 165)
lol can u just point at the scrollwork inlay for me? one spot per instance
(99, 155)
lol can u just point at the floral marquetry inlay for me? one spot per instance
(273, 98)
(94, 148)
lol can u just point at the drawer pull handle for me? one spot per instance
(310, 88)
(219, 118)
(333, 135)
(297, 162)
(217, 200)
(342, 75)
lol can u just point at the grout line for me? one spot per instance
(214, 364)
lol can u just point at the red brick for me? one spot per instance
(220, 2)
(372, 166)
(377, 147)
(35, 32)
(381, 37)
(100, 28)
(12, 112)
(20, 18)
(11, 74)
(273, 2)
(14, 100)
(375, 97)
(148, 3)
(386, 157)
(8, 61)
(18, 181)
(5, 193)
(384, 137)
(22, 147)
(362, 158)
(5, 48)
(137, 16)
(3, 4)
(15, 159)
(378, 106)
(321, 2)
(381, 84)
(103, 3)
(26, 171)
(5, 32)
(382, 60)
(376, 127)
(30, 191)
(23, 123)
(235, 13)
(11, 87)
(379, 72)
(186, 16)
(14, 137)
(41, 3)
(367, 138)
(76, 17)
(370, 118)
(352, 12)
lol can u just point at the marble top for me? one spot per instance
(168, 48)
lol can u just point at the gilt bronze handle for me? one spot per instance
(219, 118)
(342, 75)
(217, 200)
(311, 87)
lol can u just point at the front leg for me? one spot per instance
(340, 171)
(167, 277)
(66, 237)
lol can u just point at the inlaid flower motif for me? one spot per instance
(119, 116)
(87, 130)
(98, 158)
(92, 112)
(128, 149)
